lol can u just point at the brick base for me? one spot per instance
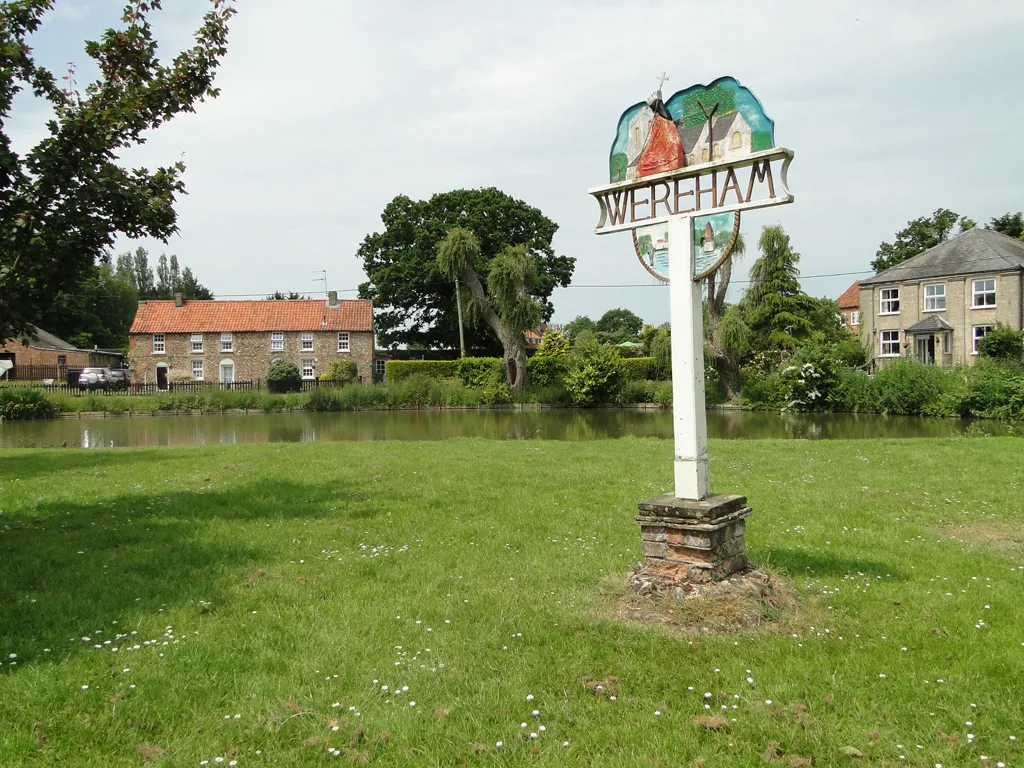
(693, 541)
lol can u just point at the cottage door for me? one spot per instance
(161, 377)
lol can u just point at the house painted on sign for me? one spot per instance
(849, 308)
(938, 305)
(228, 341)
(731, 137)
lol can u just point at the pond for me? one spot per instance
(498, 424)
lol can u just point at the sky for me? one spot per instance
(331, 108)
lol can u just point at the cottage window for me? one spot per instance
(980, 332)
(197, 370)
(737, 140)
(718, 151)
(947, 343)
(159, 346)
(984, 294)
(935, 297)
(704, 155)
(307, 341)
(227, 372)
(890, 304)
(307, 369)
(690, 159)
(277, 341)
(842, 319)
(378, 366)
(226, 342)
(343, 345)
(62, 361)
(890, 343)
(855, 318)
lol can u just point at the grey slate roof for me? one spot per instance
(930, 324)
(973, 251)
(40, 339)
(721, 127)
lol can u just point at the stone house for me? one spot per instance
(849, 308)
(939, 304)
(40, 349)
(228, 341)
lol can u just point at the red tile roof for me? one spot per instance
(161, 316)
(850, 298)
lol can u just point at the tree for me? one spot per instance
(920, 235)
(576, 326)
(774, 307)
(414, 300)
(134, 269)
(553, 344)
(192, 288)
(66, 198)
(290, 296)
(508, 305)
(97, 311)
(1009, 224)
(618, 325)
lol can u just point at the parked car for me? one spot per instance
(119, 379)
(94, 378)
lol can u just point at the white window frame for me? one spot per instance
(198, 372)
(885, 302)
(159, 344)
(306, 341)
(344, 343)
(379, 366)
(855, 318)
(842, 319)
(893, 342)
(307, 369)
(975, 338)
(277, 341)
(975, 293)
(932, 303)
(227, 342)
(196, 343)
(229, 364)
(947, 343)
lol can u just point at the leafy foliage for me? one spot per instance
(341, 372)
(1009, 224)
(98, 311)
(414, 299)
(717, 94)
(552, 344)
(920, 235)
(595, 374)
(776, 310)
(617, 326)
(133, 269)
(24, 403)
(577, 326)
(66, 198)
(284, 376)
(1002, 343)
(399, 370)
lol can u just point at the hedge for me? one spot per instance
(400, 370)
(475, 371)
(637, 368)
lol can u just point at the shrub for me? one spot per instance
(24, 403)
(554, 344)
(283, 376)
(909, 387)
(341, 372)
(479, 371)
(991, 390)
(661, 354)
(546, 371)
(1002, 343)
(399, 370)
(274, 403)
(323, 400)
(637, 368)
(595, 374)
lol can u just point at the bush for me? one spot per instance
(341, 372)
(595, 374)
(637, 368)
(661, 354)
(479, 371)
(283, 376)
(25, 403)
(400, 370)
(907, 386)
(546, 371)
(554, 344)
(1002, 343)
(991, 390)
(323, 400)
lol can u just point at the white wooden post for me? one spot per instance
(687, 317)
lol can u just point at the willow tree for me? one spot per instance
(508, 304)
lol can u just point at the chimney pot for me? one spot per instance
(179, 299)
(332, 299)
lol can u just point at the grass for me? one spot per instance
(268, 586)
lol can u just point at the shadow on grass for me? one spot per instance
(24, 464)
(74, 568)
(798, 562)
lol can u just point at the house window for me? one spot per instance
(984, 294)
(690, 159)
(158, 344)
(842, 319)
(307, 341)
(704, 155)
(890, 301)
(307, 369)
(737, 140)
(855, 318)
(890, 343)
(343, 341)
(226, 342)
(980, 332)
(378, 366)
(62, 361)
(277, 341)
(947, 344)
(935, 297)
(197, 370)
(718, 151)
(197, 343)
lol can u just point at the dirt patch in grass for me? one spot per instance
(752, 599)
(1003, 538)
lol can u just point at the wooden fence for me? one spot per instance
(60, 385)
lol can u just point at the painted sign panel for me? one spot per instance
(713, 240)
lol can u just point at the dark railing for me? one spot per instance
(37, 373)
(62, 387)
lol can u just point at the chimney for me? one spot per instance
(179, 299)
(332, 299)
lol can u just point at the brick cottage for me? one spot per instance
(228, 341)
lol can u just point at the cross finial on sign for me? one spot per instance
(661, 80)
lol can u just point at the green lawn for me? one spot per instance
(243, 602)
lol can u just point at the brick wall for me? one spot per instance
(32, 356)
(251, 354)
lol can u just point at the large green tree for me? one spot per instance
(776, 310)
(619, 325)
(414, 300)
(508, 304)
(133, 268)
(97, 311)
(67, 197)
(1009, 224)
(920, 235)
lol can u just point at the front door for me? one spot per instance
(161, 377)
(924, 349)
(227, 372)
